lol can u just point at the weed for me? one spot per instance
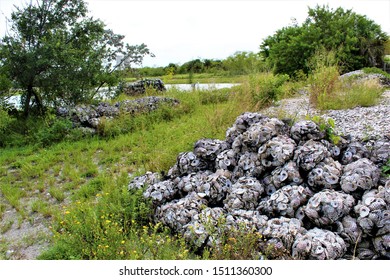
(42, 207)
(6, 226)
(328, 91)
(386, 169)
(57, 193)
(12, 194)
(327, 126)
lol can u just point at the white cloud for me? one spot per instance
(178, 31)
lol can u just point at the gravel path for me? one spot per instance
(359, 123)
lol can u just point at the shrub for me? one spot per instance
(327, 91)
(5, 121)
(55, 131)
(266, 87)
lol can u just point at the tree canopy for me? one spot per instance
(357, 41)
(55, 53)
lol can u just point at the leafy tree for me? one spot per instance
(194, 66)
(57, 54)
(358, 41)
(244, 63)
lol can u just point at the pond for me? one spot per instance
(188, 87)
(104, 92)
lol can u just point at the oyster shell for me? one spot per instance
(244, 194)
(208, 149)
(319, 244)
(198, 231)
(226, 160)
(249, 164)
(145, 180)
(161, 192)
(310, 154)
(380, 151)
(328, 206)
(261, 180)
(359, 175)
(246, 218)
(277, 151)
(325, 175)
(349, 230)
(281, 232)
(353, 152)
(188, 163)
(306, 130)
(178, 213)
(242, 123)
(285, 201)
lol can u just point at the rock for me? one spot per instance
(90, 116)
(139, 87)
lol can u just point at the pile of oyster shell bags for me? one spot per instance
(314, 199)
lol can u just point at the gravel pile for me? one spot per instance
(360, 123)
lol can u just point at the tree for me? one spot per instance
(242, 62)
(56, 54)
(357, 41)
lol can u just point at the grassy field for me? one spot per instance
(79, 189)
(70, 200)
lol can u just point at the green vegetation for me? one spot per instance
(80, 185)
(229, 70)
(359, 42)
(77, 184)
(89, 177)
(386, 169)
(55, 53)
(328, 91)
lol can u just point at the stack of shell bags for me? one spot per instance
(301, 193)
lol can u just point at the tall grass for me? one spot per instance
(329, 91)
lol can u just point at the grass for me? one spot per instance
(328, 91)
(197, 78)
(80, 187)
(73, 184)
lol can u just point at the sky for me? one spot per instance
(180, 31)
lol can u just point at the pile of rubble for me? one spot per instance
(301, 193)
(89, 116)
(139, 87)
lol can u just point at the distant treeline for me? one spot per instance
(240, 63)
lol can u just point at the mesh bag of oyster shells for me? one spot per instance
(285, 201)
(328, 206)
(244, 194)
(302, 193)
(318, 244)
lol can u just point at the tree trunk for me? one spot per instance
(38, 100)
(27, 101)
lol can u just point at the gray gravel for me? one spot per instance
(360, 123)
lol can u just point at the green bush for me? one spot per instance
(375, 70)
(55, 131)
(5, 121)
(266, 87)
